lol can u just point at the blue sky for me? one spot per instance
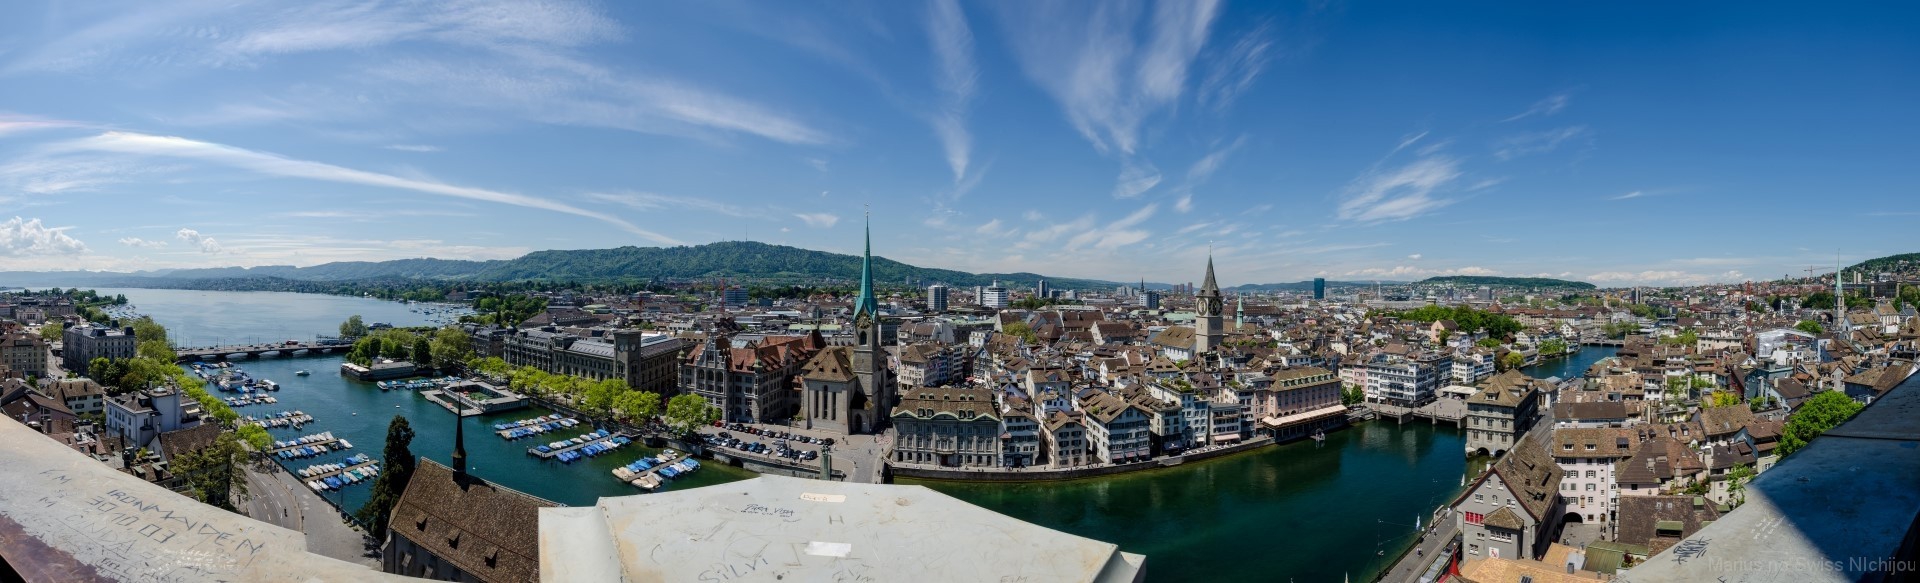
(1619, 143)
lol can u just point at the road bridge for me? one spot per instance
(219, 353)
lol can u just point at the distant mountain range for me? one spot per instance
(744, 260)
(1487, 280)
(1304, 285)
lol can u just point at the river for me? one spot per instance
(1570, 366)
(1300, 511)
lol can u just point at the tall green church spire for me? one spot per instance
(866, 303)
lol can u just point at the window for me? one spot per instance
(1590, 488)
(1473, 517)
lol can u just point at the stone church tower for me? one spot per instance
(1207, 333)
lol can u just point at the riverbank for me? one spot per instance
(1084, 473)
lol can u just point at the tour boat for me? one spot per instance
(301, 373)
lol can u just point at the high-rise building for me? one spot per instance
(735, 296)
(1486, 293)
(995, 296)
(1319, 288)
(937, 298)
(1149, 299)
(1042, 290)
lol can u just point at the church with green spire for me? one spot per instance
(850, 389)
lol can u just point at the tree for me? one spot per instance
(689, 411)
(215, 475)
(1488, 343)
(52, 331)
(143, 372)
(1444, 335)
(1617, 330)
(396, 470)
(1510, 361)
(106, 371)
(598, 398)
(1352, 395)
(1810, 327)
(1814, 417)
(451, 347)
(1553, 347)
(354, 327)
(1723, 399)
(638, 406)
(156, 350)
(256, 437)
(1022, 331)
(1684, 338)
(423, 351)
(146, 330)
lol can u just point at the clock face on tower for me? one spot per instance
(863, 321)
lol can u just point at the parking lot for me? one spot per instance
(768, 442)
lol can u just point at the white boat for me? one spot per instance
(269, 385)
(301, 373)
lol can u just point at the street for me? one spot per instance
(276, 497)
(857, 456)
(1417, 561)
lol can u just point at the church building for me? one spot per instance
(850, 389)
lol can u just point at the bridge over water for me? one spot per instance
(218, 353)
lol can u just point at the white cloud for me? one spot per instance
(1545, 107)
(1116, 234)
(143, 243)
(422, 148)
(21, 238)
(1634, 194)
(1400, 194)
(1087, 57)
(953, 51)
(1415, 257)
(275, 165)
(1536, 142)
(206, 244)
(990, 228)
(1135, 179)
(1032, 215)
(818, 220)
(1185, 203)
(648, 201)
(1233, 75)
(1204, 168)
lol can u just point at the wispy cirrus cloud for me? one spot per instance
(1545, 107)
(142, 243)
(1107, 79)
(1537, 142)
(1401, 193)
(29, 237)
(1136, 178)
(420, 148)
(819, 220)
(956, 76)
(651, 201)
(276, 165)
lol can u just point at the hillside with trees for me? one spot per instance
(1902, 263)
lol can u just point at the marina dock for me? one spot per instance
(293, 419)
(348, 474)
(308, 446)
(588, 445)
(649, 473)
(531, 427)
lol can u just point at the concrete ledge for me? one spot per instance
(1843, 509)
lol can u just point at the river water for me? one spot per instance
(1301, 511)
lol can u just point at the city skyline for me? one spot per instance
(1341, 141)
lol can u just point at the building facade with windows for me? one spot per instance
(81, 344)
(954, 427)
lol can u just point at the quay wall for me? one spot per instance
(1001, 475)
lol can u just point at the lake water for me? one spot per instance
(222, 318)
(1299, 511)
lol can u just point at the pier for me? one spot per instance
(323, 476)
(330, 440)
(555, 453)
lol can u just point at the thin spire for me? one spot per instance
(866, 304)
(459, 439)
(1209, 285)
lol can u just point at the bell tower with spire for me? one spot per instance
(869, 359)
(1211, 307)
